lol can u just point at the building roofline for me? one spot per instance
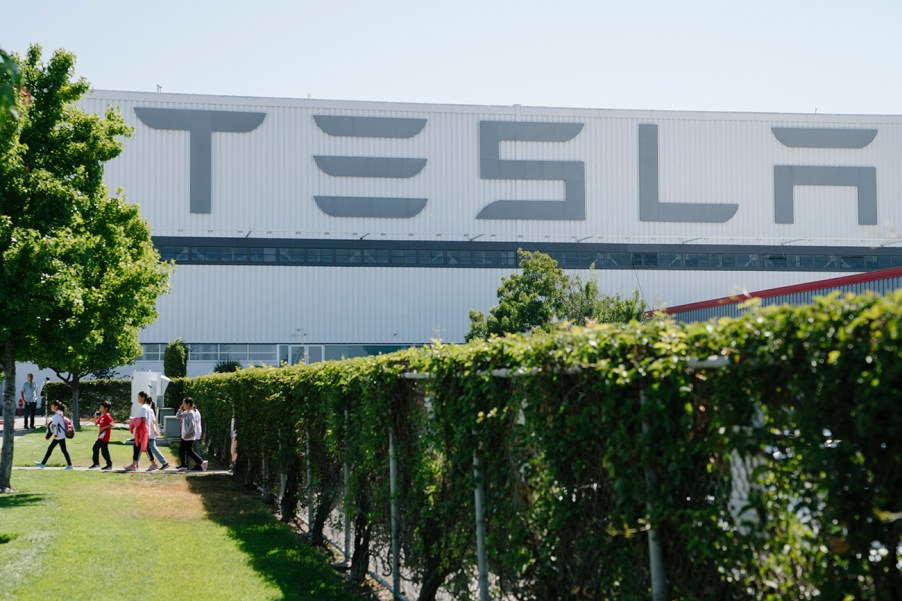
(871, 276)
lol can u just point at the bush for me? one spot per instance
(175, 359)
(777, 477)
(225, 367)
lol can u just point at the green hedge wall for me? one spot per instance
(775, 477)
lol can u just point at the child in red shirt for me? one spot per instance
(104, 421)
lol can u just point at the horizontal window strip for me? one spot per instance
(493, 255)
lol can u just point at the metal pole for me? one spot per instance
(347, 493)
(655, 555)
(309, 491)
(481, 559)
(393, 487)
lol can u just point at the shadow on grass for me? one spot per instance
(20, 500)
(276, 552)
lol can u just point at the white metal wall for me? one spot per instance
(264, 181)
(263, 185)
(383, 305)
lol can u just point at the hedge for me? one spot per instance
(775, 477)
(91, 393)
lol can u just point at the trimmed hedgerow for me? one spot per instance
(778, 476)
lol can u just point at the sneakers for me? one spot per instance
(132, 468)
(94, 466)
(39, 465)
(108, 468)
(203, 466)
(68, 467)
(182, 468)
(152, 468)
(165, 466)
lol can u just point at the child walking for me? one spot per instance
(138, 427)
(104, 422)
(191, 432)
(57, 430)
(153, 431)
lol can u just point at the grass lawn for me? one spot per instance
(90, 535)
(31, 447)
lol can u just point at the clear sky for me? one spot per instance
(833, 56)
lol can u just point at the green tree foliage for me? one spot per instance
(225, 367)
(542, 296)
(114, 294)
(528, 300)
(9, 83)
(74, 260)
(175, 359)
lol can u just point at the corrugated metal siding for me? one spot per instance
(264, 181)
(344, 305)
(882, 286)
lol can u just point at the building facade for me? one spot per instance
(316, 229)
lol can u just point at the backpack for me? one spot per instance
(70, 428)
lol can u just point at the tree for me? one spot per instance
(543, 297)
(113, 294)
(527, 300)
(9, 82)
(175, 359)
(53, 209)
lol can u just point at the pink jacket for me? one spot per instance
(138, 427)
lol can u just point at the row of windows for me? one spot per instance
(433, 257)
(269, 354)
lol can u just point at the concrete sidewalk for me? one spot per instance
(122, 471)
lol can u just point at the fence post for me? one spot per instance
(309, 490)
(655, 555)
(481, 559)
(393, 487)
(347, 494)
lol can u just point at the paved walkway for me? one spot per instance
(122, 471)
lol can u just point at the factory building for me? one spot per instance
(304, 230)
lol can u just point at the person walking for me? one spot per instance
(138, 426)
(39, 394)
(104, 422)
(189, 418)
(57, 430)
(30, 403)
(153, 430)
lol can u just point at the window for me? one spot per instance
(403, 257)
(319, 255)
(231, 254)
(291, 255)
(203, 352)
(262, 255)
(347, 256)
(174, 253)
(207, 254)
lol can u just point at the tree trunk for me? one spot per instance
(9, 415)
(360, 559)
(76, 412)
(289, 501)
(327, 503)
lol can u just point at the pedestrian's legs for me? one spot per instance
(183, 452)
(30, 410)
(95, 453)
(62, 444)
(154, 451)
(136, 453)
(192, 452)
(52, 446)
(105, 449)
